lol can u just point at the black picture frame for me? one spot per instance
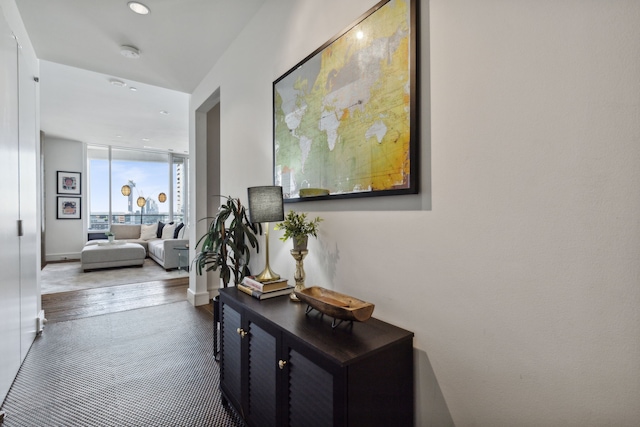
(69, 182)
(68, 207)
(345, 118)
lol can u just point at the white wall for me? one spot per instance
(65, 237)
(520, 278)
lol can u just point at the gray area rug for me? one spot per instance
(147, 367)
(68, 276)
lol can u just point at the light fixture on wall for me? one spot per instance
(265, 206)
(162, 197)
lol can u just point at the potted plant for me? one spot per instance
(297, 227)
(110, 235)
(228, 246)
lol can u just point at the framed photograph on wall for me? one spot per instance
(69, 208)
(69, 182)
(345, 119)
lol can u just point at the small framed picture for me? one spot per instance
(68, 182)
(69, 208)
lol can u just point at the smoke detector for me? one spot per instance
(129, 52)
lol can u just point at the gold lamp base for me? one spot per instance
(267, 275)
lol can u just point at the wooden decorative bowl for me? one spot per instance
(336, 305)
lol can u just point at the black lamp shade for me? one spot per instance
(265, 204)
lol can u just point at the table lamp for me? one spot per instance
(265, 206)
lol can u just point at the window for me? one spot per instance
(157, 187)
(98, 173)
(180, 174)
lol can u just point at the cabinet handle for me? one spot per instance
(241, 332)
(281, 363)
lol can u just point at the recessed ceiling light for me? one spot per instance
(133, 89)
(166, 113)
(138, 8)
(118, 83)
(145, 139)
(130, 52)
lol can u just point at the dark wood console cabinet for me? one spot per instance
(281, 367)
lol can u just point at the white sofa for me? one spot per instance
(159, 249)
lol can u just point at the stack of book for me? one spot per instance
(264, 290)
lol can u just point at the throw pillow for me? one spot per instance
(177, 231)
(148, 232)
(184, 233)
(160, 227)
(167, 231)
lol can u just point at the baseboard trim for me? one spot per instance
(197, 299)
(63, 257)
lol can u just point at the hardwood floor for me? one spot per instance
(65, 306)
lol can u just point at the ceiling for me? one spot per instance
(79, 43)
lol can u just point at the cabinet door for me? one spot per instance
(263, 373)
(230, 354)
(309, 391)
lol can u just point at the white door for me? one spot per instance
(9, 211)
(28, 187)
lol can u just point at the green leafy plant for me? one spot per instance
(227, 246)
(297, 227)
(108, 233)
